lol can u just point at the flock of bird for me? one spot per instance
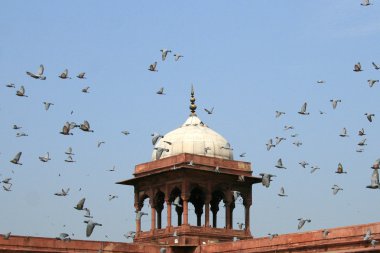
(69, 127)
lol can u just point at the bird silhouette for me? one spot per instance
(21, 92)
(64, 75)
(153, 67)
(39, 74)
(16, 159)
(358, 66)
(303, 110)
(164, 53)
(90, 227)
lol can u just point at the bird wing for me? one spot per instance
(86, 124)
(375, 177)
(90, 228)
(17, 156)
(81, 203)
(22, 90)
(303, 108)
(40, 71)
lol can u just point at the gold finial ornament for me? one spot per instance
(192, 106)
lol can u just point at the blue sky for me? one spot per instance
(247, 59)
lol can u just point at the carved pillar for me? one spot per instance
(179, 211)
(199, 212)
(159, 212)
(169, 213)
(247, 204)
(153, 214)
(185, 211)
(138, 221)
(232, 207)
(207, 213)
(227, 204)
(214, 210)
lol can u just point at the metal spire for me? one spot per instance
(192, 106)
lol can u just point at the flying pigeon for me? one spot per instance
(374, 180)
(335, 103)
(159, 152)
(266, 179)
(64, 75)
(81, 75)
(358, 66)
(21, 92)
(47, 105)
(340, 169)
(270, 144)
(62, 193)
(279, 164)
(80, 204)
(161, 91)
(39, 74)
(303, 109)
(343, 133)
(139, 214)
(336, 189)
(177, 57)
(209, 111)
(372, 82)
(302, 222)
(164, 53)
(282, 192)
(90, 227)
(278, 114)
(45, 158)
(16, 159)
(153, 67)
(85, 127)
(369, 116)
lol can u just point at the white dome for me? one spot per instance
(194, 137)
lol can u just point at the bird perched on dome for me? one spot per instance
(339, 170)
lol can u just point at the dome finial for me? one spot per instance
(193, 106)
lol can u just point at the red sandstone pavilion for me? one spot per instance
(194, 164)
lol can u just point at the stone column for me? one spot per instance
(228, 214)
(247, 204)
(153, 219)
(169, 213)
(185, 211)
(207, 213)
(179, 211)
